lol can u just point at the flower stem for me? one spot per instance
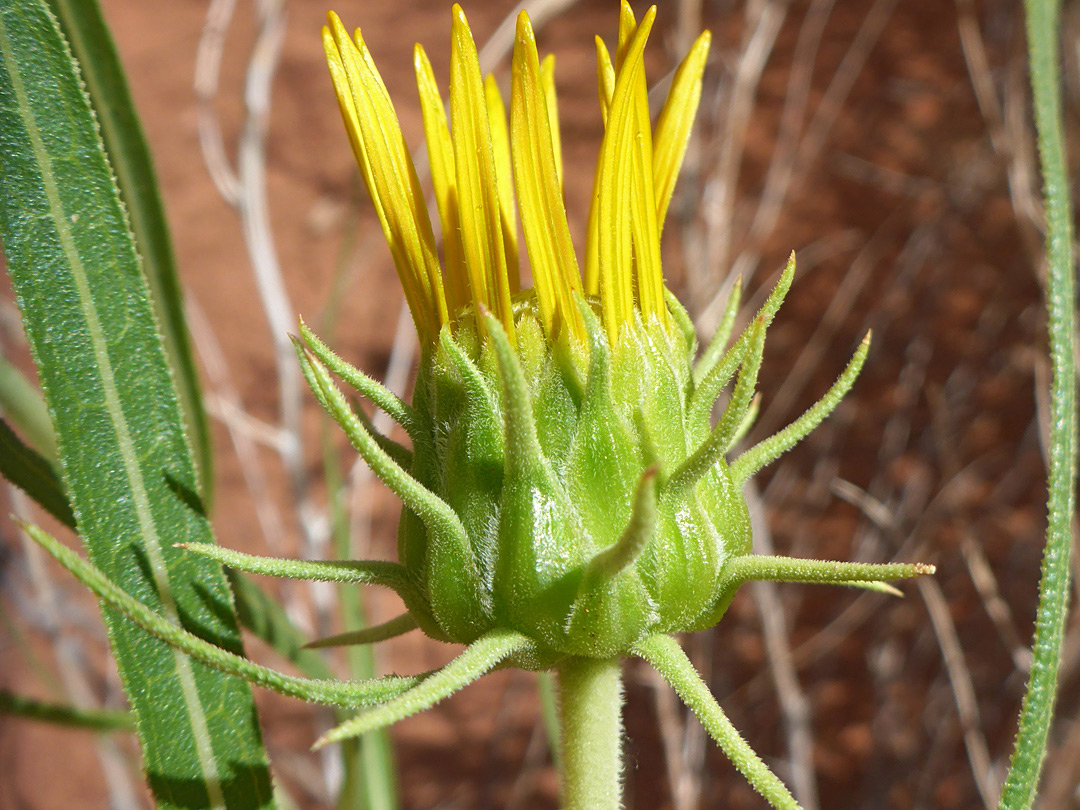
(590, 703)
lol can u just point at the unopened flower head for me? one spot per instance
(564, 480)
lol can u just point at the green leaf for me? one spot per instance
(29, 471)
(21, 402)
(92, 719)
(87, 35)
(126, 463)
(256, 611)
(1037, 712)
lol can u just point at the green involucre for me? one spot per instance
(539, 449)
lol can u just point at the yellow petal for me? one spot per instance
(543, 214)
(615, 196)
(673, 125)
(500, 144)
(547, 78)
(605, 80)
(440, 151)
(478, 196)
(605, 77)
(389, 174)
(648, 275)
(627, 27)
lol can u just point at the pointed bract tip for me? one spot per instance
(322, 742)
(867, 337)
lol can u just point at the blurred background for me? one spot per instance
(889, 143)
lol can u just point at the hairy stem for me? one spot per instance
(1037, 713)
(590, 706)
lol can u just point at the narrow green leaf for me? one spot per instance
(21, 402)
(549, 715)
(372, 634)
(29, 471)
(92, 719)
(126, 463)
(1037, 712)
(88, 36)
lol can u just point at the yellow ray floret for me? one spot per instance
(388, 173)
(547, 78)
(648, 276)
(673, 125)
(440, 151)
(478, 194)
(615, 193)
(484, 173)
(500, 145)
(605, 80)
(627, 27)
(543, 216)
(605, 77)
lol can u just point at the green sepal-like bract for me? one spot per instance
(555, 458)
(576, 494)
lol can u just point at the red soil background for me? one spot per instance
(913, 208)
